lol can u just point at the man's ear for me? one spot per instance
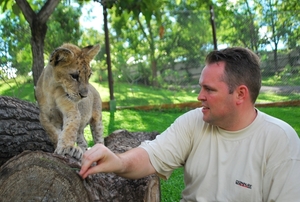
(242, 92)
(61, 56)
(91, 51)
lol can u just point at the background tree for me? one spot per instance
(157, 34)
(237, 23)
(144, 17)
(276, 23)
(16, 35)
(151, 38)
(63, 27)
(90, 37)
(15, 49)
(292, 12)
(38, 26)
(188, 34)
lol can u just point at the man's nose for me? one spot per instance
(201, 96)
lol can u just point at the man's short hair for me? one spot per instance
(242, 67)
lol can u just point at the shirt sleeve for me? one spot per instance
(171, 148)
(282, 181)
(283, 184)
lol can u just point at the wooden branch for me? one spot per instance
(47, 10)
(27, 11)
(42, 16)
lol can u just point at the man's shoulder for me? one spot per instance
(271, 122)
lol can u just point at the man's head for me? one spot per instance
(230, 83)
(241, 68)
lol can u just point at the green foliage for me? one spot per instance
(9, 5)
(242, 28)
(15, 52)
(15, 49)
(61, 29)
(158, 35)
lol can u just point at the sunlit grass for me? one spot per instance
(273, 97)
(21, 88)
(132, 94)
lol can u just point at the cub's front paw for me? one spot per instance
(75, 152)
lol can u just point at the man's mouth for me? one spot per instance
(204, 107)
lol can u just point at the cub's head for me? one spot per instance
(71, 69)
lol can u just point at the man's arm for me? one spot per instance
(133, 164)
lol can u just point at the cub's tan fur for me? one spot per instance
(67, 101)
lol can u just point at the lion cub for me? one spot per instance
(67, 101)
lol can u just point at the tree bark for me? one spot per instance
(20, 129)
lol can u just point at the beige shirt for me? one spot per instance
(258, 163)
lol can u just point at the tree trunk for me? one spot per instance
(20, 129)
(154, 73)
(38, 32)
(43, 176)
(38, 26)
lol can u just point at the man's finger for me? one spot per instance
(89, 157)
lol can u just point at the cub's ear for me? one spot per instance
(61, 56)
(91, 51)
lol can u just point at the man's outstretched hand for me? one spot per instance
(133, 164)
(106, 161)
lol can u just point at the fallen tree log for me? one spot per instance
(40, 176)
(34, 173)
(20, 129)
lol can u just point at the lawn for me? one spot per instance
(156, 120)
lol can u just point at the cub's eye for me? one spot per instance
(75, 76)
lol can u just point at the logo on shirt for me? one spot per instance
(243, 184)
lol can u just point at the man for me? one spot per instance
(229, 149)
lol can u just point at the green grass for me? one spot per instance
(133, 95)
(21, 88)
(273, 97)
(133, 120)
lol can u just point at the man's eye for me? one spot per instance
(75, 76)
(208, 89)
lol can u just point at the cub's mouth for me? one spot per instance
(74, 98)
